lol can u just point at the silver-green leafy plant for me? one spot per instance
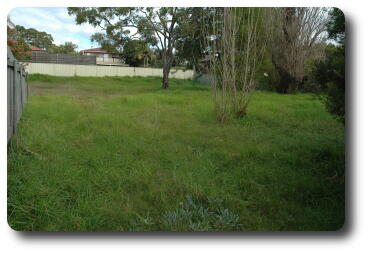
(193, 215)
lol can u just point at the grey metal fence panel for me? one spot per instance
(62, 59)
(17, 93)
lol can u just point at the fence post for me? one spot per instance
(26, 78)
(21, 87)
(14, 120)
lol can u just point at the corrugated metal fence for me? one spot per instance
(17, 92)
(61, 59)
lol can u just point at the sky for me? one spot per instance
(55, 21)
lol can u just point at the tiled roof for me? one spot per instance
(34, 48)
(94, 50)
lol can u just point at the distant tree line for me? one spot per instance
(20, 39)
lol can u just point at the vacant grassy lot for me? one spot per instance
(122, 154)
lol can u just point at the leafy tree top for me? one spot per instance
(336, 25)
(34, 37)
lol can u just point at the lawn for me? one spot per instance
(120, 153)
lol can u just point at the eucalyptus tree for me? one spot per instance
(156, 26)
(34, 37)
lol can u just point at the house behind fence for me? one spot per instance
(103, 57)
(17, 92)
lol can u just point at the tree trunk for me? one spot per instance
(165, 79)
(166, 70)
(284, 81)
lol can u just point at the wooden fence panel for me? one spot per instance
(17, 93)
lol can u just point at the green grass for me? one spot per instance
(120, 153)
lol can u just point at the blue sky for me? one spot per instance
(55, 21)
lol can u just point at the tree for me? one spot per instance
(293, 33)
(137, 52)
(189, 44)
(34, 37)
(66, 48)
(336, 26)
(235, 49)
(330, 72)
(18, 45)
(156, 26)
(20, 49)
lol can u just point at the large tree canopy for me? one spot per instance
(156, 26)
(189, 45)
(18, 45)
(34, 37)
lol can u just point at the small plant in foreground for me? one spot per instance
(196, 216)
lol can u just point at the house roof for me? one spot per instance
(94, 50)
(34, 48)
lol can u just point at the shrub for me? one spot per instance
(330, 74)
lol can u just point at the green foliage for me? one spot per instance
(155, 26)
(25, 37)
(18, 45)
(115, 34)
(90, 154)
(266, 76)
(335, 65)
(330, 72)
(190, 43)
(34, 37)
(336, 25)
(19, 48)
(137, 53)
(66, 48)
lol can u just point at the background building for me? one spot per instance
(103, 57)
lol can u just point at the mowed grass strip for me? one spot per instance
(120, 153)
